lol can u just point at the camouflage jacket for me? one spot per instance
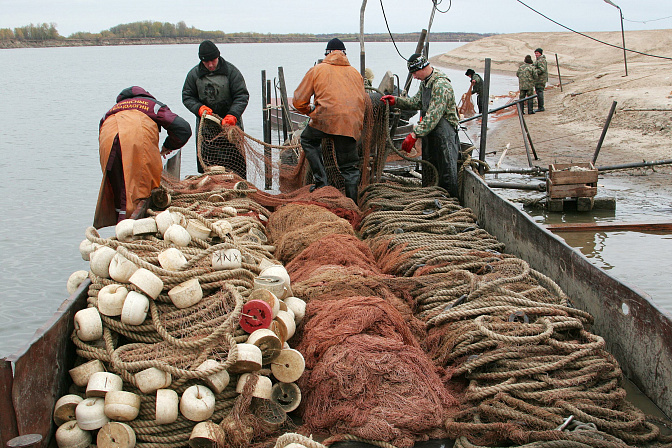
(541, 67)
(526, 76)
(441, 105)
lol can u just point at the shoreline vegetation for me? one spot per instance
(164, 33)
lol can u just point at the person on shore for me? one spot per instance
(526, 78)
(439, 121)
(129, 152)
(216, 86)
(541, 68)
(476, 86)
(337, 112)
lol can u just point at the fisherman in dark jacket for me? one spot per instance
(476, 86)
(216, 86)
(129, 152)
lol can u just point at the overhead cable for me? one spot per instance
(590, 37)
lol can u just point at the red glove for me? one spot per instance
(204, 110)
(408, 143)
(389, 99)
(230, 120)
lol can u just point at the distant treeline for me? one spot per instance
(147, 30)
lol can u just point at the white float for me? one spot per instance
(148, 282)
(297, 306)
(121, 405)
(227, 259)
(286, 320)
(278, 271)
(223, 226)
(111, 299)
(249, 359)
(186, 293)
(273, 283)
(116, 435)
(76, 279)
(88, 325)
(80, 375)
(207, 435)
(217, 381)
(177, 235)
(144, 226)
(261, 390)
(99, 261)
(121, 269)
(197, 229)
(135, 309)
(64, 410)
(91, 413)
(152, 379)
(86, 247)
(100, 383)
(172, 259)
(167, 406)
(197, 403)
(70, 435)
(124, 230)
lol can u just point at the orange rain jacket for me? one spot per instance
(339, 94)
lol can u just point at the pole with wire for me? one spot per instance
(625, 61)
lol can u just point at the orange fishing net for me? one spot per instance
(292, 243)
(376, 388)
(466, 107)
(334, 249)
(291, 217)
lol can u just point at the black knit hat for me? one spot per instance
(417, 62)
(528, 59)
(335, 44)
(469, 72)
(208, 51)
(539, 50)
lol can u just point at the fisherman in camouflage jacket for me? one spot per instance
(526, 79)
(438, 125)
(541, 69)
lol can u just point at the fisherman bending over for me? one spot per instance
(129, 152)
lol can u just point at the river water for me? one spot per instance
(52, 102)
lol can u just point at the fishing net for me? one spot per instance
(332, 250)
(378, 389)
(465, 106)
(285, 168)
(292, 243)
(295, 216)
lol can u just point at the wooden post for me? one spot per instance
(484, 119)
(418, 49)
(264, 105)
(267, 151)
(529, 139)
(284, 104)
(557, 64)
(8, 427)
(519, 108)
(604, 131)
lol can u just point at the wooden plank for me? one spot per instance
(636, 331)
(8, 429)
(570, 191)
(41, 369)
(610, 226)
(562, 173)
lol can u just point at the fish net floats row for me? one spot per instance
(417, 325)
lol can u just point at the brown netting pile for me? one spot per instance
(466, 106)
(293, 243)
(376, 388)
(332, 250)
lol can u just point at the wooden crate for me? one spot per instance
(565, 182)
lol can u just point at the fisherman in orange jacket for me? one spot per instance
(129, 152)
(337, 112)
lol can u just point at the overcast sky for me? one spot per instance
(329, 16)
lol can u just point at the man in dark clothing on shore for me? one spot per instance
(216, 86)
(476, 86)
(129, 152)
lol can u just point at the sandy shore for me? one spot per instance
(592, 78)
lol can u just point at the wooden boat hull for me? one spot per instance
(637, 332)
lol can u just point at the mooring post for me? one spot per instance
(284, 103)
(557, 64)
(484, 119)
(519, 108)
(267, 138)
(604, 131)
(264, 106)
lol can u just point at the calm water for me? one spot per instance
(51, 102)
